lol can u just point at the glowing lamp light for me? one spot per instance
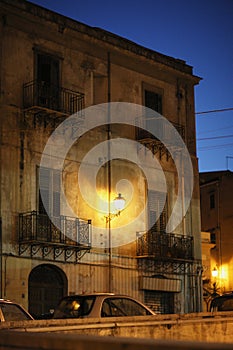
(214, 272)
(119, 202)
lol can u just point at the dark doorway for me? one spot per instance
(46, 286)
(160, 302)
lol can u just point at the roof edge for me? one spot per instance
(103, 35)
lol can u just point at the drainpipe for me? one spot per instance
(0, 258)
(109, 179)
(2, 25)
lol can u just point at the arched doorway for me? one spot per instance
(46, 286)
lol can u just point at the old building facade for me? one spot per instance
(53, 67)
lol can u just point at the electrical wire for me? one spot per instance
(214, 137)
(215, 111)
(206, 148)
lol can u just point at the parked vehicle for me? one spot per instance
(100, 305)
(222, 303)
(11, 311)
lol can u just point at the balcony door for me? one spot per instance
(47, 78)
(47, 284)
(49, 207)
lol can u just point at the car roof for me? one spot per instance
(88, 295)
(224, 296)
(217, 301)
(98, 294)
(7, 301)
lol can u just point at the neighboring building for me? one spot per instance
(217, 218)
(209, 286)
(53, 67)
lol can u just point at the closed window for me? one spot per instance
(50, 191)
(157, 211)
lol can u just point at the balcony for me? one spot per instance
(40, 238)
(154, 144)
(41, 97)
(166, 132)
(164, 246)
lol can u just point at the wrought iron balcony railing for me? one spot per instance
(167, 133)
(164, 245)
(39, 94)
(35, 228)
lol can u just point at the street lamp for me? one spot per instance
(214, 272)
(119, 204)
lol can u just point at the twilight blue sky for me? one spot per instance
(197, 31)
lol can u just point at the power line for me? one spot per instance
(216, 110)
(215, 137)
(208, 148)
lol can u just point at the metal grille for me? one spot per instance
(164, 245)
(160, 302)
(38, 227)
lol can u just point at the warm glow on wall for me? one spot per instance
(102, 201)
(224, 272)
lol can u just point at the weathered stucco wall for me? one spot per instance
(202, 327)
(76, 342)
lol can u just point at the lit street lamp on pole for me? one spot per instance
(119, 204)
(214, 273)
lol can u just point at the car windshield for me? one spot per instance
(74, 307)
(122, 307)
(12, 312)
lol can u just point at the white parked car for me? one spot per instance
(100, 305)
(11, 311)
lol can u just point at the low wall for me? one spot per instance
(51, 341)
(203, 327)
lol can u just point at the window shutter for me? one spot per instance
(56, 193)
(155, 205)
(44, 189)
(50, 190)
